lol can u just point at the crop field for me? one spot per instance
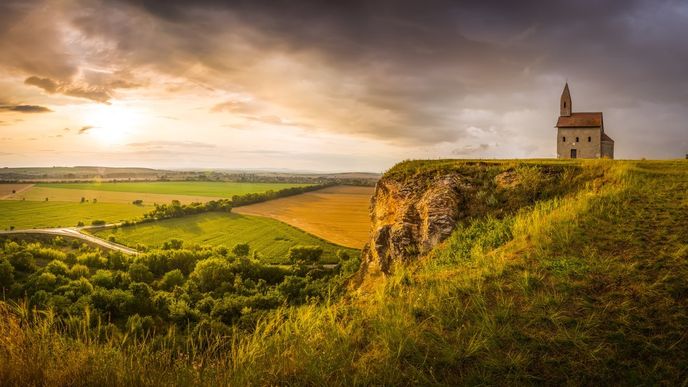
(272, 239)
(338, 214)
(190, 188)
(9, 188)
(28, 214)
(39, 193)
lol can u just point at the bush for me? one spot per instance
(78, 271)
(137, 202)
(305, 254)
(98, 222)
(171, 279)
(241, 249)
(6, 273)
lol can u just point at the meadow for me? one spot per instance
(338, 214)
(190, 188)
(33, 214)
(585, 288)
(270, 238)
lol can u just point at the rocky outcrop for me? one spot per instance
(409, 217)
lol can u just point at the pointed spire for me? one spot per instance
(565, 104)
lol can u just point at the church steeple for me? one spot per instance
(565, 104)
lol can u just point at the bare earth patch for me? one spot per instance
(337, 214)
(6, 190)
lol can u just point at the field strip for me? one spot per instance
(337, 214)
(39, 193)
(6, 189)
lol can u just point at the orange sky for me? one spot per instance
(325, 86)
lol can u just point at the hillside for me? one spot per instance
(511, 272)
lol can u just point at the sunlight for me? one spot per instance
(112, 124)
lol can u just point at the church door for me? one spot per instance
(574, 153)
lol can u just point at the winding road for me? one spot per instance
(74, 232)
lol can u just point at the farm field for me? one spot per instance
(338, 214)
(191, 188)
(39, 193)
(6, 189)
(272, 239)
(28, 214)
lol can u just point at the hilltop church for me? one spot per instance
(581, 135)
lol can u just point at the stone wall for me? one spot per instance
(585, 149)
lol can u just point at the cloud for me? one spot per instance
(98, 94)
(25, 108)
(174, 144)
(85, 129)
(403, 72)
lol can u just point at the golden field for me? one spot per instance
(337, 214)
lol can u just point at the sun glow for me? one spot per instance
(112, 124)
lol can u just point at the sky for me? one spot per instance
(333, 85)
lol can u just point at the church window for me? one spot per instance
(564, 139)
(589, 139)
(577, 139)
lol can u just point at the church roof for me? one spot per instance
(580, 120)
(606, 138)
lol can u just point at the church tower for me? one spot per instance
(565, 104)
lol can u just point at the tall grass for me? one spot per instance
(584, 288)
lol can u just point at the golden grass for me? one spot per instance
(6, 189)
(38, 193)
(337, 214)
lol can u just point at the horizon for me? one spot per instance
(331, 88)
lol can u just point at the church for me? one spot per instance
(581, 135)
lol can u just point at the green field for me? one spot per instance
(29, 214)
(271, 238)
(192, 188)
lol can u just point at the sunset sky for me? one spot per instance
(332, 85)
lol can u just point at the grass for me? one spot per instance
(338, 214)
(585, 288)
(191, 188)
(272, 239)
(29, 214)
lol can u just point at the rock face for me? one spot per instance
(410, 217)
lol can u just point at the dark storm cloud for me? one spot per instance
(25, 108)
(404, 71)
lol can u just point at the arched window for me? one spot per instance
(577, 139)
(564, 104)
(564, 139)
(589, 139)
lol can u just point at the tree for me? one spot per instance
(137, 202)
(77, 271)
(140, 273)
(171, 279)
(83, 199)
(6, 274)
(57, 267)
(212, 273)
(305, 254)
(241, 249)
(173, 244)
(23, 261)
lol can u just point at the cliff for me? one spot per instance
(418, 204)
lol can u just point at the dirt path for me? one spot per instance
(74, 233)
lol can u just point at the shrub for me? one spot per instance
(241, 249)
(98, 222)
(78, 271)
(171, 279)
(305, 254)
(57, 267)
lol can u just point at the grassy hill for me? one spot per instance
(588, 286)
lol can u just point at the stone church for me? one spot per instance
(581, 135)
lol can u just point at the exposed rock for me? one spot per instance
(410, 217)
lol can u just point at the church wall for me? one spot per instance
(584, 149)
(607, 149)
